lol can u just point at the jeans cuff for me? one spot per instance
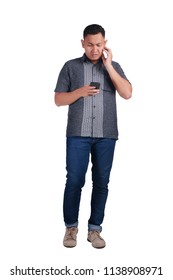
(71, 225)
(94, 227)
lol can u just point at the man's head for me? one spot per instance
(93, 29)
(93, 41)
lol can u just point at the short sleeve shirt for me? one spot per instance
(91, 116)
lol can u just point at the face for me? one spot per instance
(94, 46)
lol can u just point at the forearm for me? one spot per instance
(123, 87)
(66, 98)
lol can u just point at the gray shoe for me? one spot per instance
(70, 237)
(96, 240)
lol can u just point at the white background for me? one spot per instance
(37, 37)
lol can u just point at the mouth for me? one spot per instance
(94, 54)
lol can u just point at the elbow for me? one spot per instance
(56, 100)
(57, 104)
(128, 93)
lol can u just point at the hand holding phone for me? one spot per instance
(105, 54)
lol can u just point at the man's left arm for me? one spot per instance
(122, 85)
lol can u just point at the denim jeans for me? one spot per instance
(78, 154)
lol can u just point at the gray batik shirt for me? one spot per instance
(91, 116)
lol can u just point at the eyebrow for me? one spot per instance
(89, 43)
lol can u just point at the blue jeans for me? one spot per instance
(78, 154)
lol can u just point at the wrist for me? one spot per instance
(109, 67)
(77, 93)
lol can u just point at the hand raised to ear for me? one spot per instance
(107, 56)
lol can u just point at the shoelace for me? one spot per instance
(96, 234)
(71, 233)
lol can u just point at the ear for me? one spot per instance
(82, 42)
(106, 42)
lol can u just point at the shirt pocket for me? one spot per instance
(108, 85)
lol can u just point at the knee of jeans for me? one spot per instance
(101, 182)
(75, 182)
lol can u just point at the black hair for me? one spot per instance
(93, 29)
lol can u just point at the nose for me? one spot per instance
(94, 48)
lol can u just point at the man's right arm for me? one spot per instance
(67, 98)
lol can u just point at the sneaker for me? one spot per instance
(70, 237)
(96, 240)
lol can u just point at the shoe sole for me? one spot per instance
(96, 247)
(69, 246)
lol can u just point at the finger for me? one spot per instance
(108, 51)
(106, 48)
(93, 91)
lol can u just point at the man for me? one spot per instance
(91, 129)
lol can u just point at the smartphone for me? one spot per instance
(95, 84)
(105, 54)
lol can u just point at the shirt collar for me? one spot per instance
(84, 58)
